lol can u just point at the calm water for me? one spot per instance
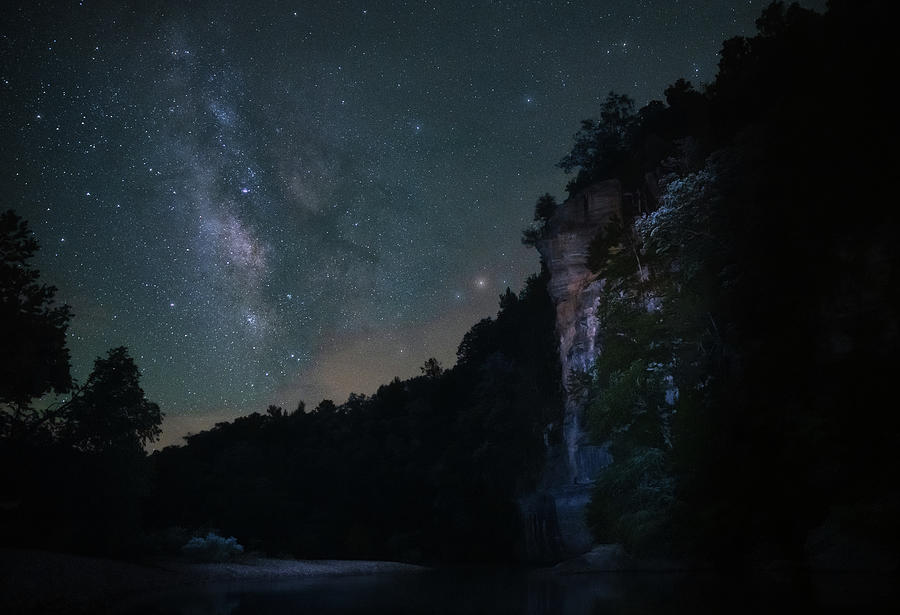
(504, 591)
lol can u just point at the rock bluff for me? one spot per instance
(554, 515)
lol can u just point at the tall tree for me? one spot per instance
(601, 146)
(35, 359)
(545, 207)
(432, 368)
(110, 412)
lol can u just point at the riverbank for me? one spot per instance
(835, 556)
(34, 581)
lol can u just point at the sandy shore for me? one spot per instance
(44, 582)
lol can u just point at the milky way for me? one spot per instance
(269, 202)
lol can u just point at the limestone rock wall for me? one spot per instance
(576, 290)
(556, 511)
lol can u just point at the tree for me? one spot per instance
(508, 300)
(545, 207)
(326, 407)
(432, 368)
(543, 210)
(110, 412)
(35, 360)
(601, 147)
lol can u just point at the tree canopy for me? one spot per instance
(77, 468)
(426, 469)
(601, 146)
(740, 380)
(110, 411)
(35, 358)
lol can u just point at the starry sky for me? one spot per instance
(275, 201)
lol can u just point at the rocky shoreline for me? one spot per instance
(33, 581)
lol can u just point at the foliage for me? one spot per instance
(608, 240)
(626, 145)
(432, 368)
(633, 499)
(545, 207)
(772, 329)
(633, 503)
(78, 470)
(543, 210)
(682, 223)
(35, 360)
(601, 146)
(426, 469)
(212, 548)
(110, 411)
(84, 472)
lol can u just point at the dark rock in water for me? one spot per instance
(543, 539)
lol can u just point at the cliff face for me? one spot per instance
(575, 290)
(554, 515)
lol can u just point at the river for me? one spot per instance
(529, 592)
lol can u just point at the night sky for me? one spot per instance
(269, 202)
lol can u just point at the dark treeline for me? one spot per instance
(74, 472)
(426, 469)
(745, 377)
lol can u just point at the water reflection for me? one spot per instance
(533, 593)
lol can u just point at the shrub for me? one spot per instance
(212, 548)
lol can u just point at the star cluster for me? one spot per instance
(273, 201)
